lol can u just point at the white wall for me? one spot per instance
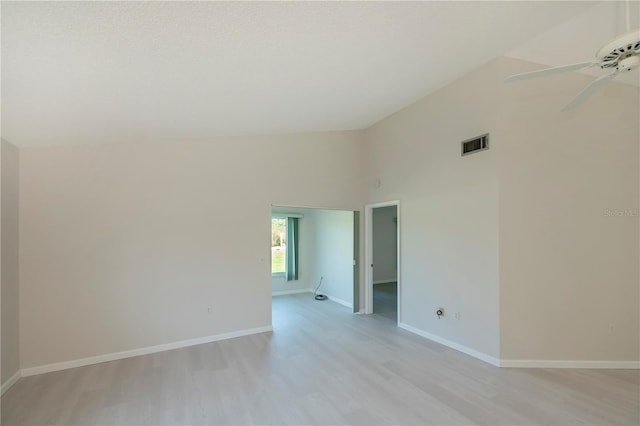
(449, 239)
(126, 245)
(568, 268)
(385, 245)
(333, 254)
(10, 261)
(517, 239)
(1, 381)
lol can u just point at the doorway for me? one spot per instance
(320, 255)
(382, 239)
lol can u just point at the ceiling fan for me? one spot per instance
(620, 55)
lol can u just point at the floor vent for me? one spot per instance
(476, 144)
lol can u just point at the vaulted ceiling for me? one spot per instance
(86, 72)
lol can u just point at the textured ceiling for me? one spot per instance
(86, 72)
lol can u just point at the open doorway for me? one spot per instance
(315, 251)
(382, 240)
(385, 261)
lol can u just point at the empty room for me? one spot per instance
(320, 213)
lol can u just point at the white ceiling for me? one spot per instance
(123, 71)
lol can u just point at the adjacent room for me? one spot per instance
(313, 253)
(320, 213)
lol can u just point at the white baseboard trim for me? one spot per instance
(339, 301)
(543, 363)
(453, 345)
(286, 292)
(390, 280)
(525, 363)
(10, 382)
(31, 371)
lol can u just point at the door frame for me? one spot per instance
(368, 242)
(356, 261)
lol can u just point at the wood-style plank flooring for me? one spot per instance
(385, 300)
(321, 366)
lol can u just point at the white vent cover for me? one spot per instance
(476, 144)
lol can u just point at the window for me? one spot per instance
(284, 247)
(278, 245)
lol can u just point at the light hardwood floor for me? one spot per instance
(385, 300)
(324, 366)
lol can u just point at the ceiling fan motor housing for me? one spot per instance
(623, 47)
(629, 63)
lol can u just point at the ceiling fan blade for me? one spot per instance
(590, 90)
(554, 70)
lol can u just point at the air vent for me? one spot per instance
(477, 144)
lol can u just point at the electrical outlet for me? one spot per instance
(612, 328)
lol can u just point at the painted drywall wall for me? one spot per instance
(568, 219)
(279, 284)
(535, 241)
(10, 261)
(114, 228)
(1, 382)
(126, 245)
(449, 239)
(333, 254)
(385, 244)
